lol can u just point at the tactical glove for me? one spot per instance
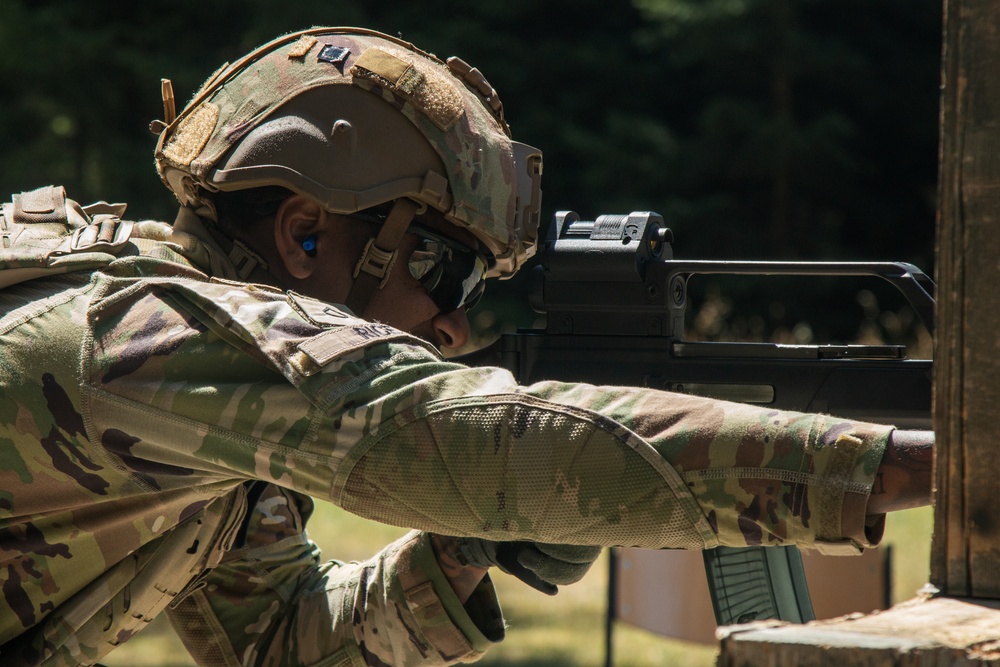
(542, 566)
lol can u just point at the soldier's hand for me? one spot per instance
(905, 475)
(542, 566)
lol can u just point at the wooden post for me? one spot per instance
(961, 626)
(965, 557)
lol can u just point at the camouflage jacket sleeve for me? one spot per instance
(377, 422)
(374, 420)
(271, 601)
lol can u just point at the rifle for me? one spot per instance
(615, 300)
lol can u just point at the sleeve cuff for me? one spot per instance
(859, 530)
(456, 631)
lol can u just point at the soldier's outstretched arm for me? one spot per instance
(902, 481)
(374, 420)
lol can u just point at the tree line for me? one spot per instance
(801, 129)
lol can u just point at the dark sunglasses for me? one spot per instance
(453, 274)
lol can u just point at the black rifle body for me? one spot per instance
(615, 300)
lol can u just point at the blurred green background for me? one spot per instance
(765, 129)
(799, 129)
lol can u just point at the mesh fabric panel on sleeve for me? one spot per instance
(520, 468)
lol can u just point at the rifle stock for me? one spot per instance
(615, 300)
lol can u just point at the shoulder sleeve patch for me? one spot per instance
(336, 343)
(320, 313)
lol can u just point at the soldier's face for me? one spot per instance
(403, 302)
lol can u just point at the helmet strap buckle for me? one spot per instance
(245, 260)
(376, 261)
(372, 271)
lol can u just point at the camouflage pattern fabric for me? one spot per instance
(141, 405)
(272, 601)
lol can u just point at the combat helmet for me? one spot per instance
(355, 119)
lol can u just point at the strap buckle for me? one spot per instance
(376, 262)
(245, 260)
(106, 233)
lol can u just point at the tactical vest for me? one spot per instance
(43, 233)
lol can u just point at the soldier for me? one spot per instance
(174, 396)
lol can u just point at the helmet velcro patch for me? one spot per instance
(302, 47)
(435, 98)
(192, 134)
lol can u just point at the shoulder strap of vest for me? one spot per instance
(43, 233)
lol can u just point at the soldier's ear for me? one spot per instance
(301, 231)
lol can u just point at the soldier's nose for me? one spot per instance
(451, 329)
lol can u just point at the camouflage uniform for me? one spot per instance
(164, 423)
(141, 403)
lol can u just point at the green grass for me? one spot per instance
(568, 629)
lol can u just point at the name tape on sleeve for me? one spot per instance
(335, 343)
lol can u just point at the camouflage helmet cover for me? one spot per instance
(354, 118)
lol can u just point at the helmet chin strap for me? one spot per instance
(372, 269)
